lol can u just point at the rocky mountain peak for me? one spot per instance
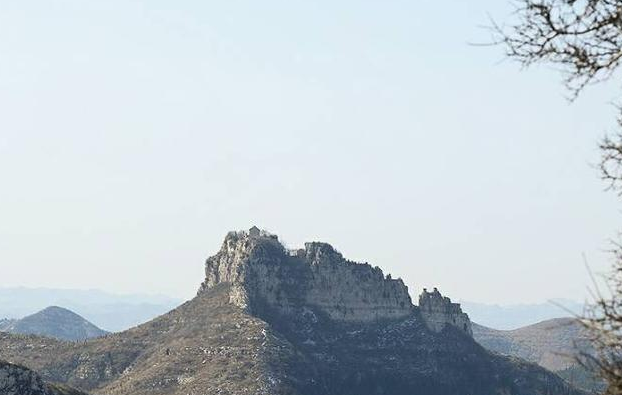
(266, 275)
(438, 311)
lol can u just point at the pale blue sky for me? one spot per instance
(135, 134)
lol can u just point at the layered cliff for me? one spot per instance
(264, 275)
(438, 311)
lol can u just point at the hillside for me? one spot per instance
(55, 322)
(305, 322)
(552, 344)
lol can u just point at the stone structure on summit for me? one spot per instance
(438, 311)
(263, 274)
(261, 271)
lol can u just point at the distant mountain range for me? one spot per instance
(108, 311)
(507, 317)
(55, 322)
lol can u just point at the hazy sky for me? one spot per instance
(135, 134)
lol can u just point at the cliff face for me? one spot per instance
(264, 275)
(438, 311)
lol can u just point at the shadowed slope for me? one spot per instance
(18, 380)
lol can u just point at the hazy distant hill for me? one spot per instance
(270, 321)
(108, 311)
(517, 316)
(553, 344)
(55, 322)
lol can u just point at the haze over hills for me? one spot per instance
(106, 310)
(508, 317)
(273, 321)
(553, 344)
(55, 322)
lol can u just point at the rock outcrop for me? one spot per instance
(18, 380)
(264, 274)
(438, 311)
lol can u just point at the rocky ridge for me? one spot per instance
(438, 311)
(264, 274)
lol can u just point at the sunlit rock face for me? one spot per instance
(438, 311)
(264, 274)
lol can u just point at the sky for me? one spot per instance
(135, 134)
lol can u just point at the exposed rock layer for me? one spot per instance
(264, 274)
(438, 311)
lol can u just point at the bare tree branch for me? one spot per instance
(584, 37)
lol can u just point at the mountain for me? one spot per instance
(554, 344)
(520, 315)
(18, 380)
(55, 322)
(267, 320)
(108, 311)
